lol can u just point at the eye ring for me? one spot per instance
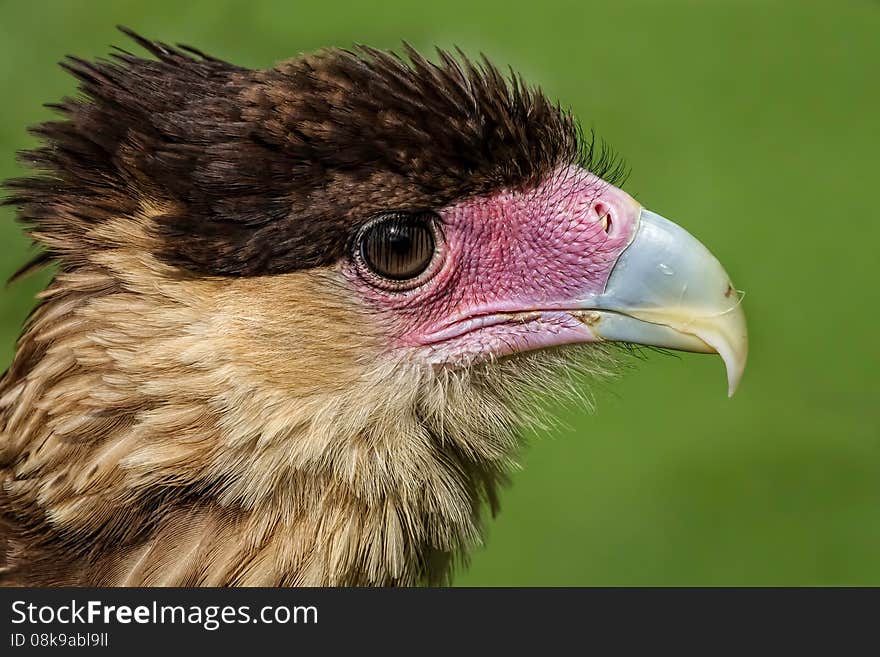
(399, 250)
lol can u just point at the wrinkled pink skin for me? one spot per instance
(539, 252)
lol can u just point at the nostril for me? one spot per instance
(602, 212)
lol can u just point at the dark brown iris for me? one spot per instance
(398, 246)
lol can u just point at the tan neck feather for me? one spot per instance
(165, 430)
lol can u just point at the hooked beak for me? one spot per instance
(667, 290)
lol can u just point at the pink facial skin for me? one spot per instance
(510, 267)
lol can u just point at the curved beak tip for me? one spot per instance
(735, 358)
(733, 347)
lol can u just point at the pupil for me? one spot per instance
(400, 241)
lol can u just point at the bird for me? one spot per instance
(299, 316)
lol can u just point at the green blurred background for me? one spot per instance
(753, 124)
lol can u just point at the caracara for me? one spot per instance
(298, 314)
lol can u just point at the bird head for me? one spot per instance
(352, 267)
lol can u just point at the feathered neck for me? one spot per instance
(147, 438)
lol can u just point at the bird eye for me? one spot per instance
(399, 246)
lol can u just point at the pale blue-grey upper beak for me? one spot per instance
(668, 290)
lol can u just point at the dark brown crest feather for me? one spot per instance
(270, 171)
